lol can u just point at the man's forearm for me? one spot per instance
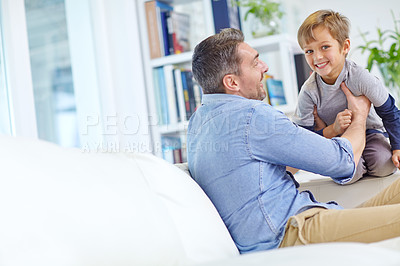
(355, 133)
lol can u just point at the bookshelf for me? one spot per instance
(277, 51)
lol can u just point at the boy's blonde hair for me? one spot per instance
(337, 24)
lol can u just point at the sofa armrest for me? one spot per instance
(184, 167)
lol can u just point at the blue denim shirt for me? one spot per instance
(238, 150)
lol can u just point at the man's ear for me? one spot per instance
(230, 82)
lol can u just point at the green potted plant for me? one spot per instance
(385, 54)
(267, 14)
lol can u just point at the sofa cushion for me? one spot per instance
(63, 206)
(202, 232)
(348, 196)
(326, 254)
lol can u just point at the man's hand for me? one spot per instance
(396, 158)
(319, 123)
(342, 121)
(359, 106)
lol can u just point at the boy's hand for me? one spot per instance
(396, 158)
(342, 121)
(319, 123)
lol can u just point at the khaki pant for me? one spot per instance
(375, 220)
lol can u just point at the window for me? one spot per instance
(5, 121)
(70, 65)
(52, 81)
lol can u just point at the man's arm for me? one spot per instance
(355, 133)
(271, 137)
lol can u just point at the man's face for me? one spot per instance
(252, 73)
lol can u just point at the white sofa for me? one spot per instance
(64, 206)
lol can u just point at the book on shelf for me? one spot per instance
(198, 93)
(156, 26)
(177, 94)
(168, 31)
(180, 97)
(264, 82)
(157, 95)
(170, 93)
(303, 70)
(225, 14)
(276, 92)
(170, 34)
(180, 32)
(172, 149)
(163, 96)
(188, 92)
(167, 36)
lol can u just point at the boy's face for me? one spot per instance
(325, 55)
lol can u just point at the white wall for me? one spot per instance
(364, 15)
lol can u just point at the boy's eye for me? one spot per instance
(308, 51)
(325, 47)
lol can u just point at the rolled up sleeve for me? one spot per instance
(273, 138)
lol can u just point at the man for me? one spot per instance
(239, 147)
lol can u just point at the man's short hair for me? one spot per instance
(337, 24)
(215, 57)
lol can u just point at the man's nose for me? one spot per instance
(265, 67)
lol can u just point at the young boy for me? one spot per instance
(322, 106)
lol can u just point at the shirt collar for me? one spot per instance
(220, 97)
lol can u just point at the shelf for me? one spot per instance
(174, 128)
(262, 45)
(172, 59)
(272, 43)
(179, 2)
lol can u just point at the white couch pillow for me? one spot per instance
(202, 232)
(63, 206)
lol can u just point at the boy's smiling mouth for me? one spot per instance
(321, 65)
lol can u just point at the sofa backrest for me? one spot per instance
(63, 206)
